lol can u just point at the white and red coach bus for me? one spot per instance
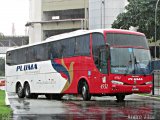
(102, 62)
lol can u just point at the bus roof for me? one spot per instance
(77, 33)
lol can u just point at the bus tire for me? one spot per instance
(27, 91)
(20, 91)
(85, 92)
(120, 97)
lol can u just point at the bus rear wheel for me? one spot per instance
(85, 92)
(20, 91)
(28, 93)
(120, 97)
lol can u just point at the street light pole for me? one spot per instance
(156, 28)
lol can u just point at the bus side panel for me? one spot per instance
(11, 77)
(79, 67)
(10, 84)
(48, 79)
(64, 75)
(54, 83)
(33, 79)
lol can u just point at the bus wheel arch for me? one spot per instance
(20, 90)
(83, 89)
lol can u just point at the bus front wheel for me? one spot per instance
(85, 92)
(20, 91)
(120, 97)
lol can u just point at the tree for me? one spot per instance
(140, 13)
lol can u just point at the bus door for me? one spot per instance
(102, 66)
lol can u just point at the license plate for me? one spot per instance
(135, 89)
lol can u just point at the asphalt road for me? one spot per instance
(73, 108)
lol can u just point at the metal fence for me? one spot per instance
(156, 84)
(156, 77)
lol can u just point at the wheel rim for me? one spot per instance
(27, 91)
(84, 91)
(19, 90)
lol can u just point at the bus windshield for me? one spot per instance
(130, 61)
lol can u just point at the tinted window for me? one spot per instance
(102, 66)
(10, 58)
(126, 40)
(16, 57)
(41, 52)
(31, 54)
(97, 42)
(20, 56)
(68, 46)
(55, 50)
(28, 55)
(82, 45)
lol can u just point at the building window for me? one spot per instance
(65, 14)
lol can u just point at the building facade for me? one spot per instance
(102, 13)
(52, 17)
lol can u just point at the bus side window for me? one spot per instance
(31, 55)
(68, 46)
(55, 50)
(82, 45)
(51, 52)
(97, 43)
(41, 52)
(103, 60)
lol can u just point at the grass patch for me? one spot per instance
(5, 111)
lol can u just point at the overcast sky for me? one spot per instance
(13, 11)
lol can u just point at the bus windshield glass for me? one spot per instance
(115, 39)
(130, 61)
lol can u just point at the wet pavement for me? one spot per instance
(73, 108)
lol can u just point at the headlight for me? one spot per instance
(147, 83)
(117, 82)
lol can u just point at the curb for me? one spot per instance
(7, 102)
(150, 96)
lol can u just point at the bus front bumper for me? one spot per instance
(131, 88)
